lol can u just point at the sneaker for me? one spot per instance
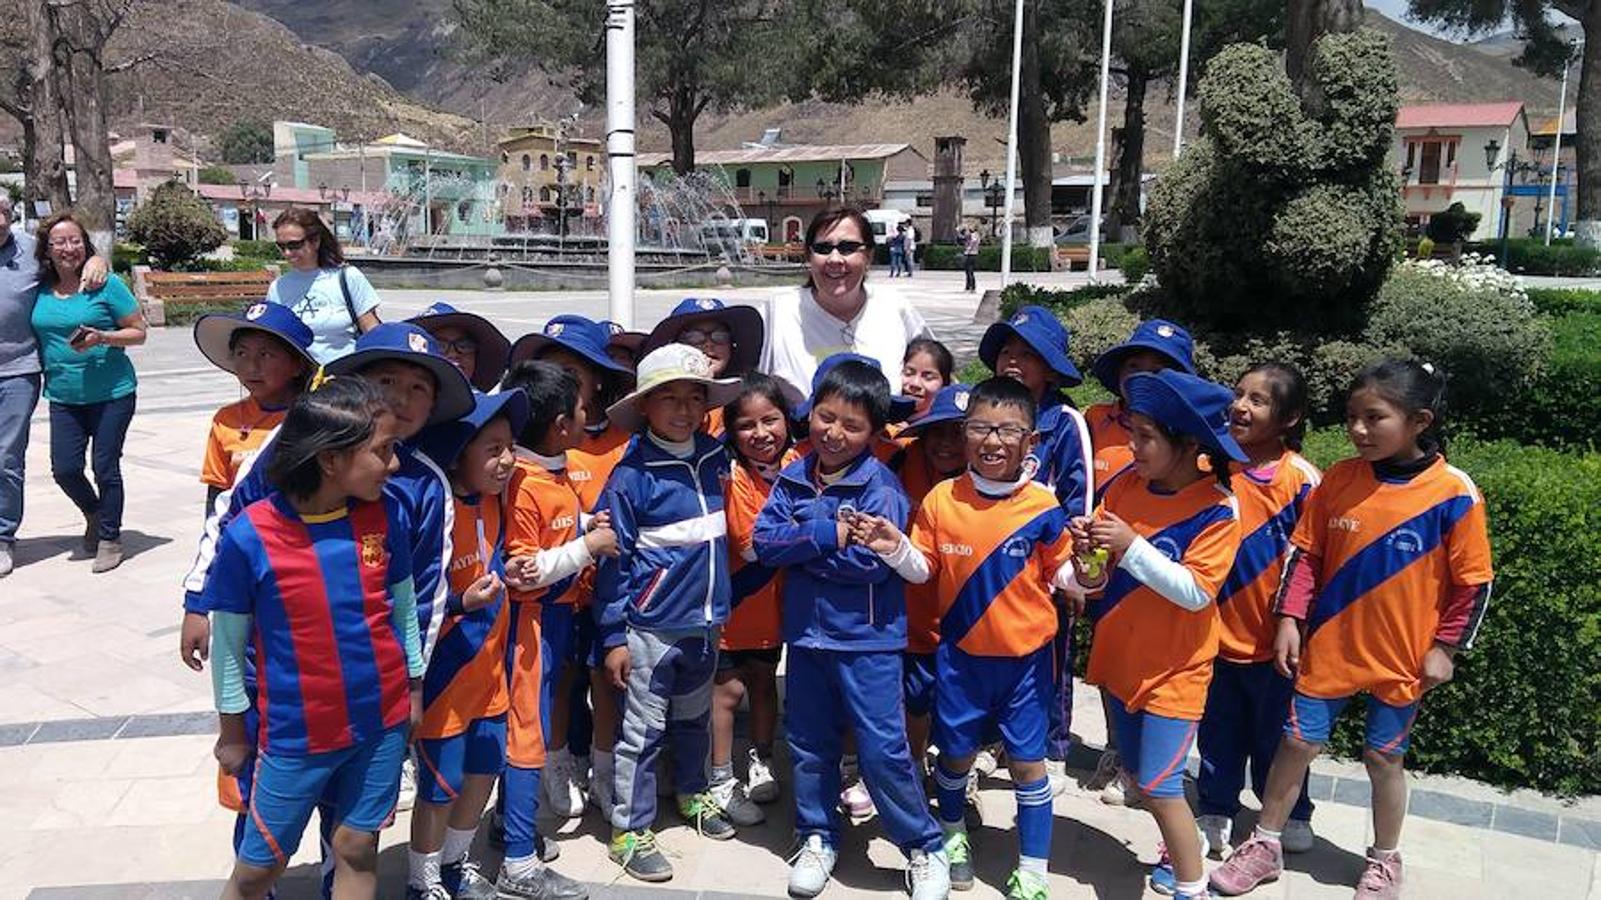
(1118, 792)
(1381, 880)
(760, 785)
(637, 853)
(1297, 836)
(548, 850)
(408, 784)
(985, 763)
(545, 884)
(810, 867)
(856, 801)
(1056, 771)
(1162, 879)
(7, 561)
(434, 892)
(1215, 834)
(707, 815)
(465, 881)
(108, 556)
(1203, 894)
(562, 789)
(959, 852)
(1026, 886)
(731, 796)
(601, 796)
(1255, 862)
(928, 875)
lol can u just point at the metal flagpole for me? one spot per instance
(1011, 146)
(1100, 143)
(622, 206)
(1556, 154)
(1184, 78)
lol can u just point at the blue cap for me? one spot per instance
(585, 337)
(1186, 404)
(493, 347)
(950, 405)
(743, 322)
(214, 330)
(899, 406)
(1042, 331)
(1156, 335)
(446, 441)
(407, 343)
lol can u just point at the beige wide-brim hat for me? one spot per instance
(667, 364)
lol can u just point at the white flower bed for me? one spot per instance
(1474, 272)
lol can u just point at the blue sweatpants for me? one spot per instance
(828, 691)
(669, 698)
(1244, 720)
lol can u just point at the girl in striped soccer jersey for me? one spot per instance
(1388, 579)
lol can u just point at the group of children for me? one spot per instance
(560, 593)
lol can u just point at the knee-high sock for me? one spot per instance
(951, 789)
(1034, 821)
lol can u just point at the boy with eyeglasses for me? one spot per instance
(730, 336)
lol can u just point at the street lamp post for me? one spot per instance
(827, 192)
(562, 165)
(254, 194)
(992, 195)
(1510, 167)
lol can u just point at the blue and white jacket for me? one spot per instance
(1065, 459)
(671, 570)
(835, 598)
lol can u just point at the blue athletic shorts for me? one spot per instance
(976, 694)
(1153, 748)
(443, 764)
(917, 682)
(1389, 728)
(362, 784)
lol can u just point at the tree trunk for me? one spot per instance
(83, 75)
(1034, 134)
(44, 161)
(1587, 146)
(1308, 20)
(682, 112)
(1125, 206)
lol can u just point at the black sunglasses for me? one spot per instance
(292, 246)
(845, 248)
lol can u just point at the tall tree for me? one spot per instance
(31, 95)
(1308, 20)
(690, 55)
(82, 28)
(1145, 42)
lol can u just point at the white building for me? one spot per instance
(1460, 153)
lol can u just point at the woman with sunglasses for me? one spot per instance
(837, 311)
(333, 298)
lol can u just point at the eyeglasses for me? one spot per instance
(292, 246)
(695, 337)
(1009, 434)
(463, 346)
(845, 248)
(71, 243)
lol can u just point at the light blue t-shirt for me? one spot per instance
(316, 298)
(98, 374)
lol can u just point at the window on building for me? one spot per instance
(528, 162)
(589, 163)
(504, 157)
(572, 157)
(464, 210)
(544, 162)
(1429, 163)
(544, 195)
(528, 196)
(924, 200)
(158, 135)
(742, 178)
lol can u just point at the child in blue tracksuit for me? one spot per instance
(661, 604)
(845, 624)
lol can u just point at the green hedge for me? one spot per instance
(946, 257)
(1561, 301)
(1530, 256)
(257, 249)
(1018, 294)
(1562, 408)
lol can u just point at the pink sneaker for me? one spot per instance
(1382, 878)
(1255, 862)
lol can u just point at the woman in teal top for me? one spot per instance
(88, 379)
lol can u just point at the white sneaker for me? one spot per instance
(810, 867)
(760, 784)
(856, 801)
(566, 797)
(928, 875)
(1215, 834)
(741, 811)
(1056, 771)
(408, 784)
(6, 561)
(1118, 793)
(985, 763)
(1297, 836)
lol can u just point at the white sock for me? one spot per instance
(1268, 835)
(722, 773)
(1383, 853)
(1033, 865)
(522, 867)
(457, 843)
(422, 870)
(1191, 888)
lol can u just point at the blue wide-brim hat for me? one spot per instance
(743, 322)
(1157, 335)
(494, 349)
(900, 407)
(584, 337)
(214, 331)
(446, 441)
(950, 405)
(1042, 331)
(405, 342)
(631, 341)
(1186, 404)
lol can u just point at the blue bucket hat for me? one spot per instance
(899, 406)
(445, 442)
(215, 330)
(493, 347)
(405, 342)
(631, 342)
(585, 337)
(1042, 331)
(1186, 404)
(1156, 335)
(744, 323)
(950, 405)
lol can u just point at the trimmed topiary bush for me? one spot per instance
(175, 226)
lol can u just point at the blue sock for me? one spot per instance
(1034, 819)
(951, 789)
(522, 803)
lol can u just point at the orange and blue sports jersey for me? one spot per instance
(756, 622)
(1270, 503)
(466, 677)
(1109, 435)
(1391, 554)
(713, 424)
(589, 464)
(323, 592)
(992, 561)
(543, 513)
(922, 600)
(1149, 652)
(237, 431)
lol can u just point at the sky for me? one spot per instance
(1396, 9)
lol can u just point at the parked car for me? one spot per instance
(1078, 231)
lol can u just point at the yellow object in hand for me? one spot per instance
(1092, 565)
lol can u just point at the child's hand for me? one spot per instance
(1439, 666)
(232, 754)
(600, 520)
(521, 573)
(601, 542)
(194, 640)
(876, 533)
(1112, 533)
(486, 590)
(1287, 647)
(618, 666)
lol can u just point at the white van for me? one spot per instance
(884, 222)
(735, 231)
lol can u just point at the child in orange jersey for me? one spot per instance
(1248, 700)
(1388, 579)
(747, 666)
(1171, 531)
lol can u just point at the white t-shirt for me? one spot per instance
(800, 334)
(316, 298)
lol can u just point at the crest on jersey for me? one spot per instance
(1168, 547)
(1405, 540)
(417, 342)
(1018, 547)
(553, 329)
(256, 311)
(708, 304)
(372, 550)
